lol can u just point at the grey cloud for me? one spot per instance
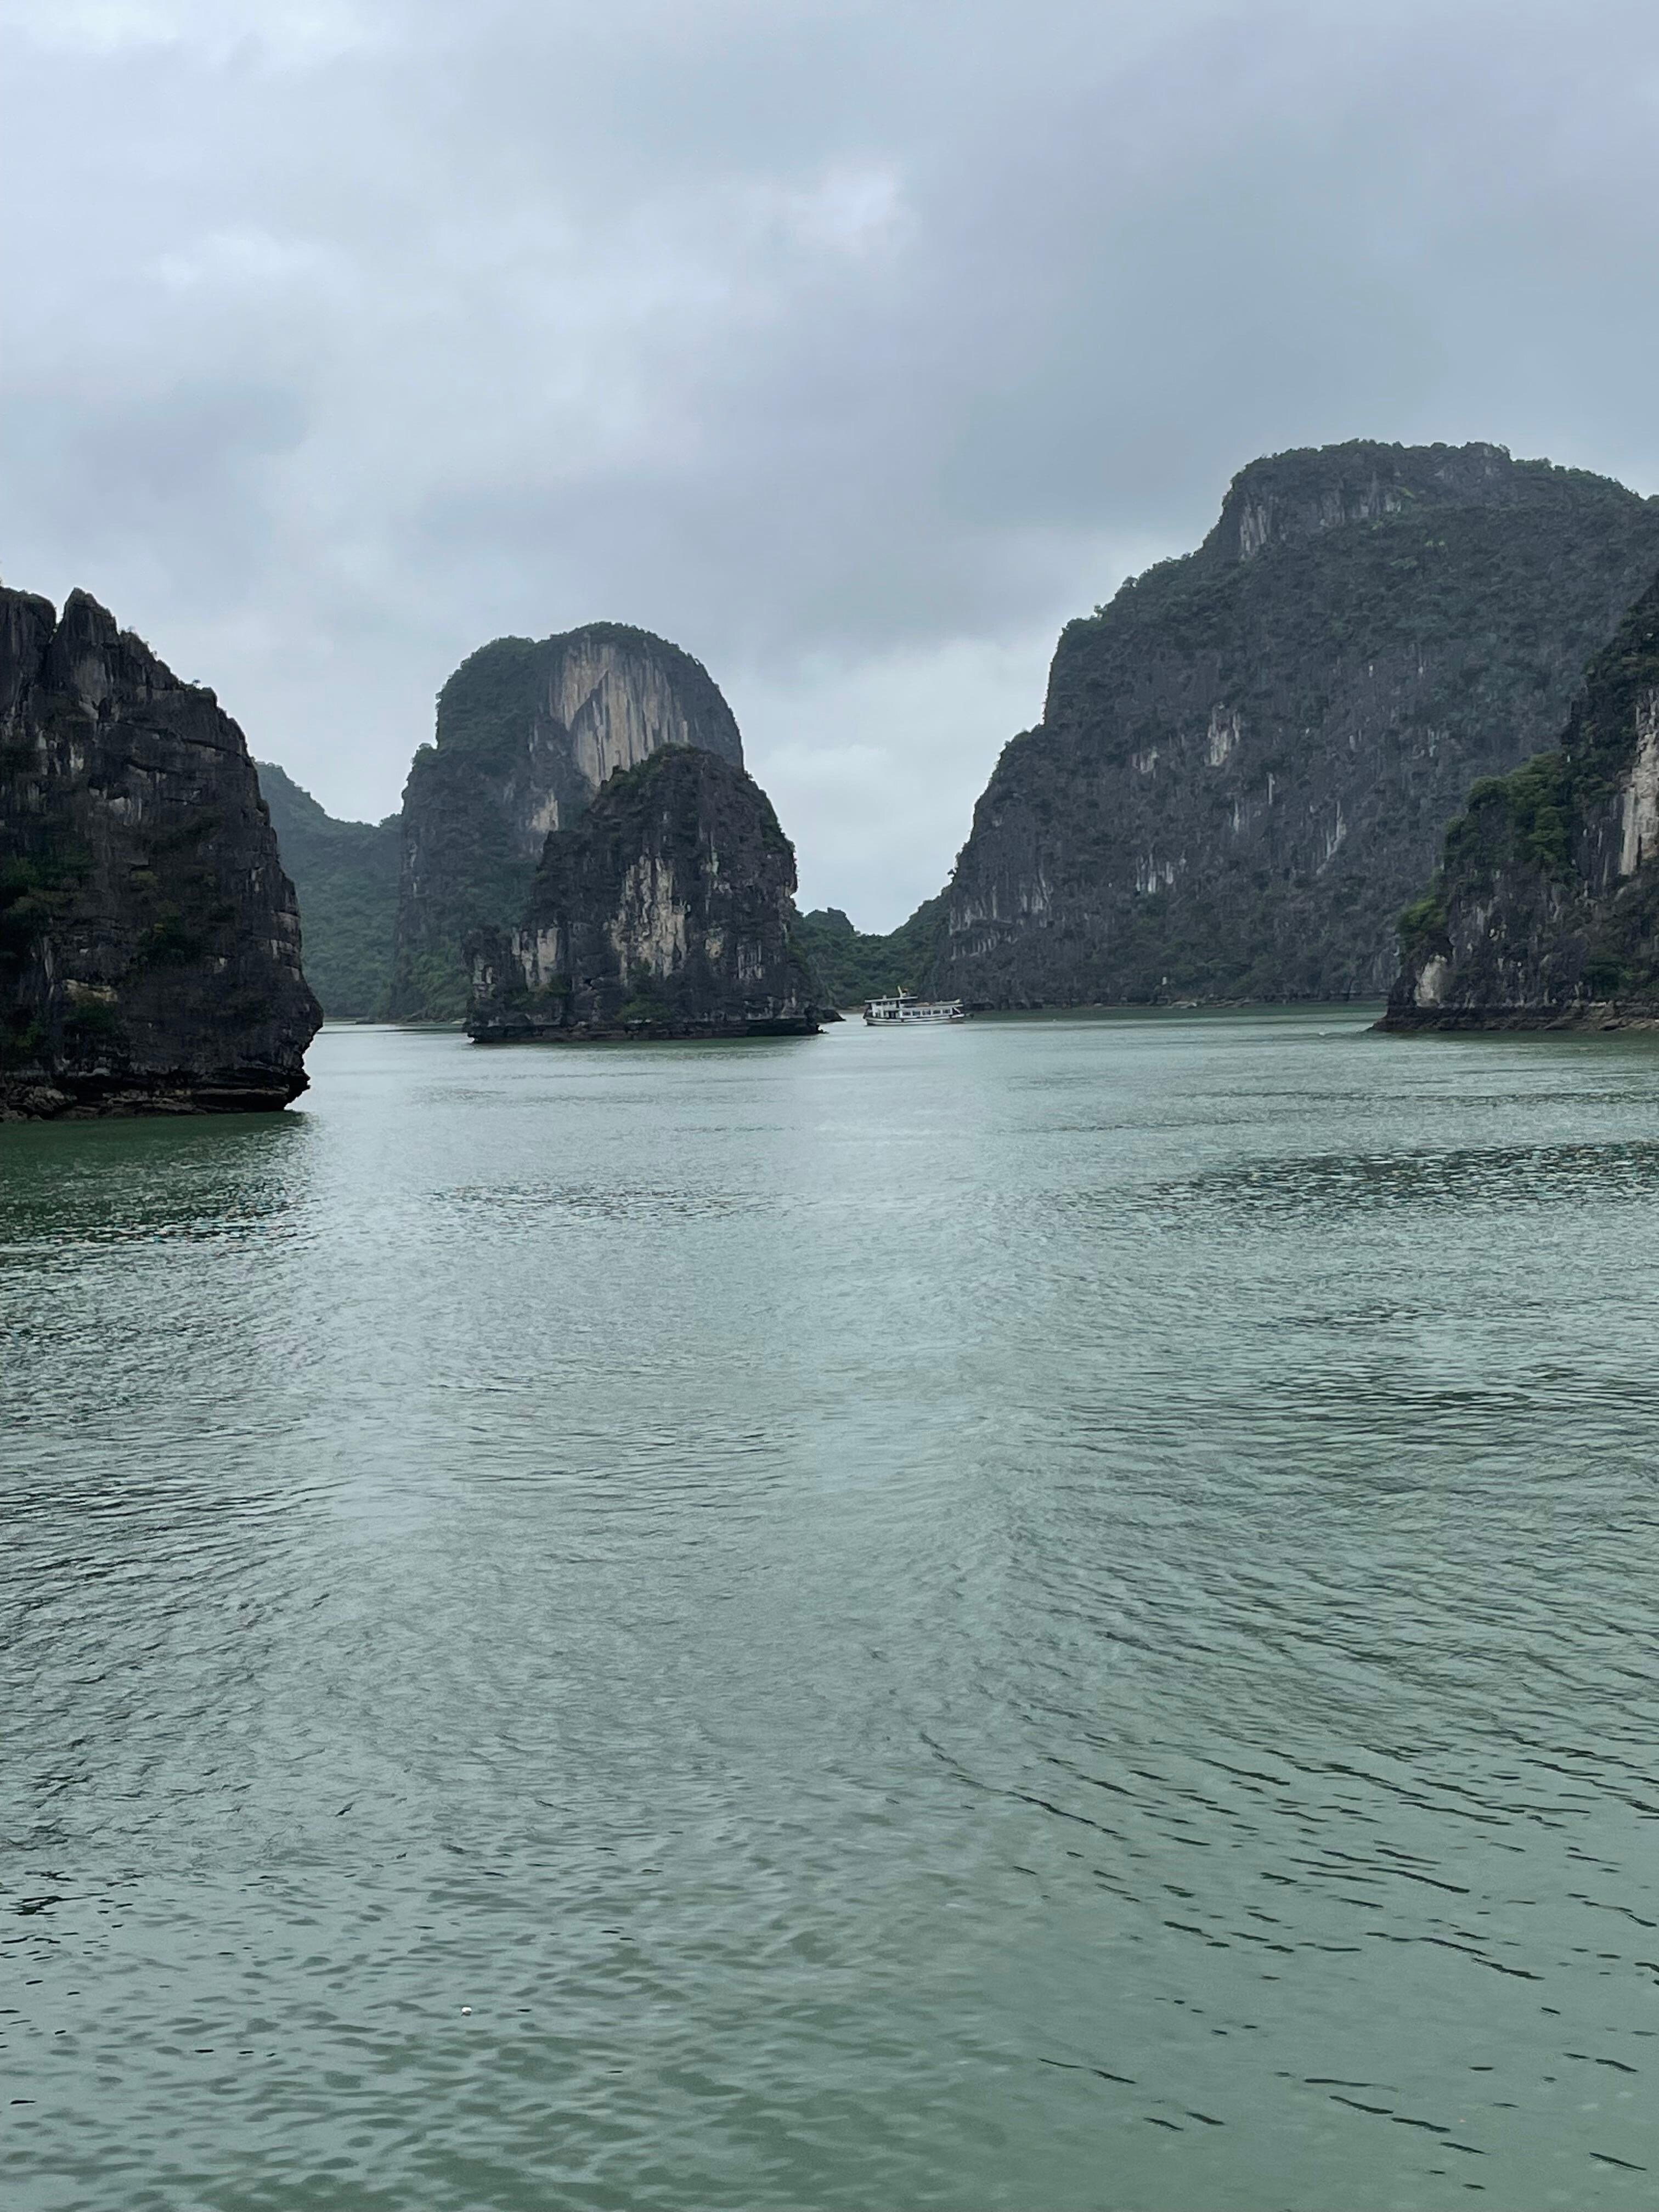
(854, 347)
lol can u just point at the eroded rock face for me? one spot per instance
(1545, 910)
(526, 734)
(1296, 495)
(150, 943)
(665, 910)
(1246, 761)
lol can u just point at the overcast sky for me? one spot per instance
(854, 347)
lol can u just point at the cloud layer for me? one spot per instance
(853, 346)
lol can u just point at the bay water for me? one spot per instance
(1059, 1614)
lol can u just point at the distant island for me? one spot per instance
(664, 909)
(856, 966)
(547, 802)
(528, 732)
(345, 874)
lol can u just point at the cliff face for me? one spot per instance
(1545, 910)
(345, 875)
(1246, 760)
(526, 734)
(664, 911)
(149, 942)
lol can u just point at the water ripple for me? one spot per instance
(1061, 1616)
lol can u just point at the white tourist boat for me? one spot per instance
(879, 1012)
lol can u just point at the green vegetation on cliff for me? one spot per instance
(387, 908)
(527, 730)
(665, 910)
(1247, 758)
(1546, 905)
(346, 876)
(854, 966)
(1529, 818)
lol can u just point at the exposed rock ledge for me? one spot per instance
(1585, 1014)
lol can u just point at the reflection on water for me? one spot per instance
(1055, 1613)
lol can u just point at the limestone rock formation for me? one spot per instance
(1545, 910)
(664, 911)
(1246, 760)
(526, 734)
(346, 876)
(149, 942)
(854, 965)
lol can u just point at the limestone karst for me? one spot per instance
(526, 733)
(665, 909)
(149, 941)
(1247, 760)
(1545, 912)
(346, 876)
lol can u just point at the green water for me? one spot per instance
(1057, 1614)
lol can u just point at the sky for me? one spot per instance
(854, 347)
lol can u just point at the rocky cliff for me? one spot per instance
(345, 875)
(1545, 909)
(665, 910)
(149, 942)
(1246, 760)
(526, 733)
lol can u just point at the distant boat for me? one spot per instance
(879, 1012)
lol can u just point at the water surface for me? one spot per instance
(1059, 1614)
